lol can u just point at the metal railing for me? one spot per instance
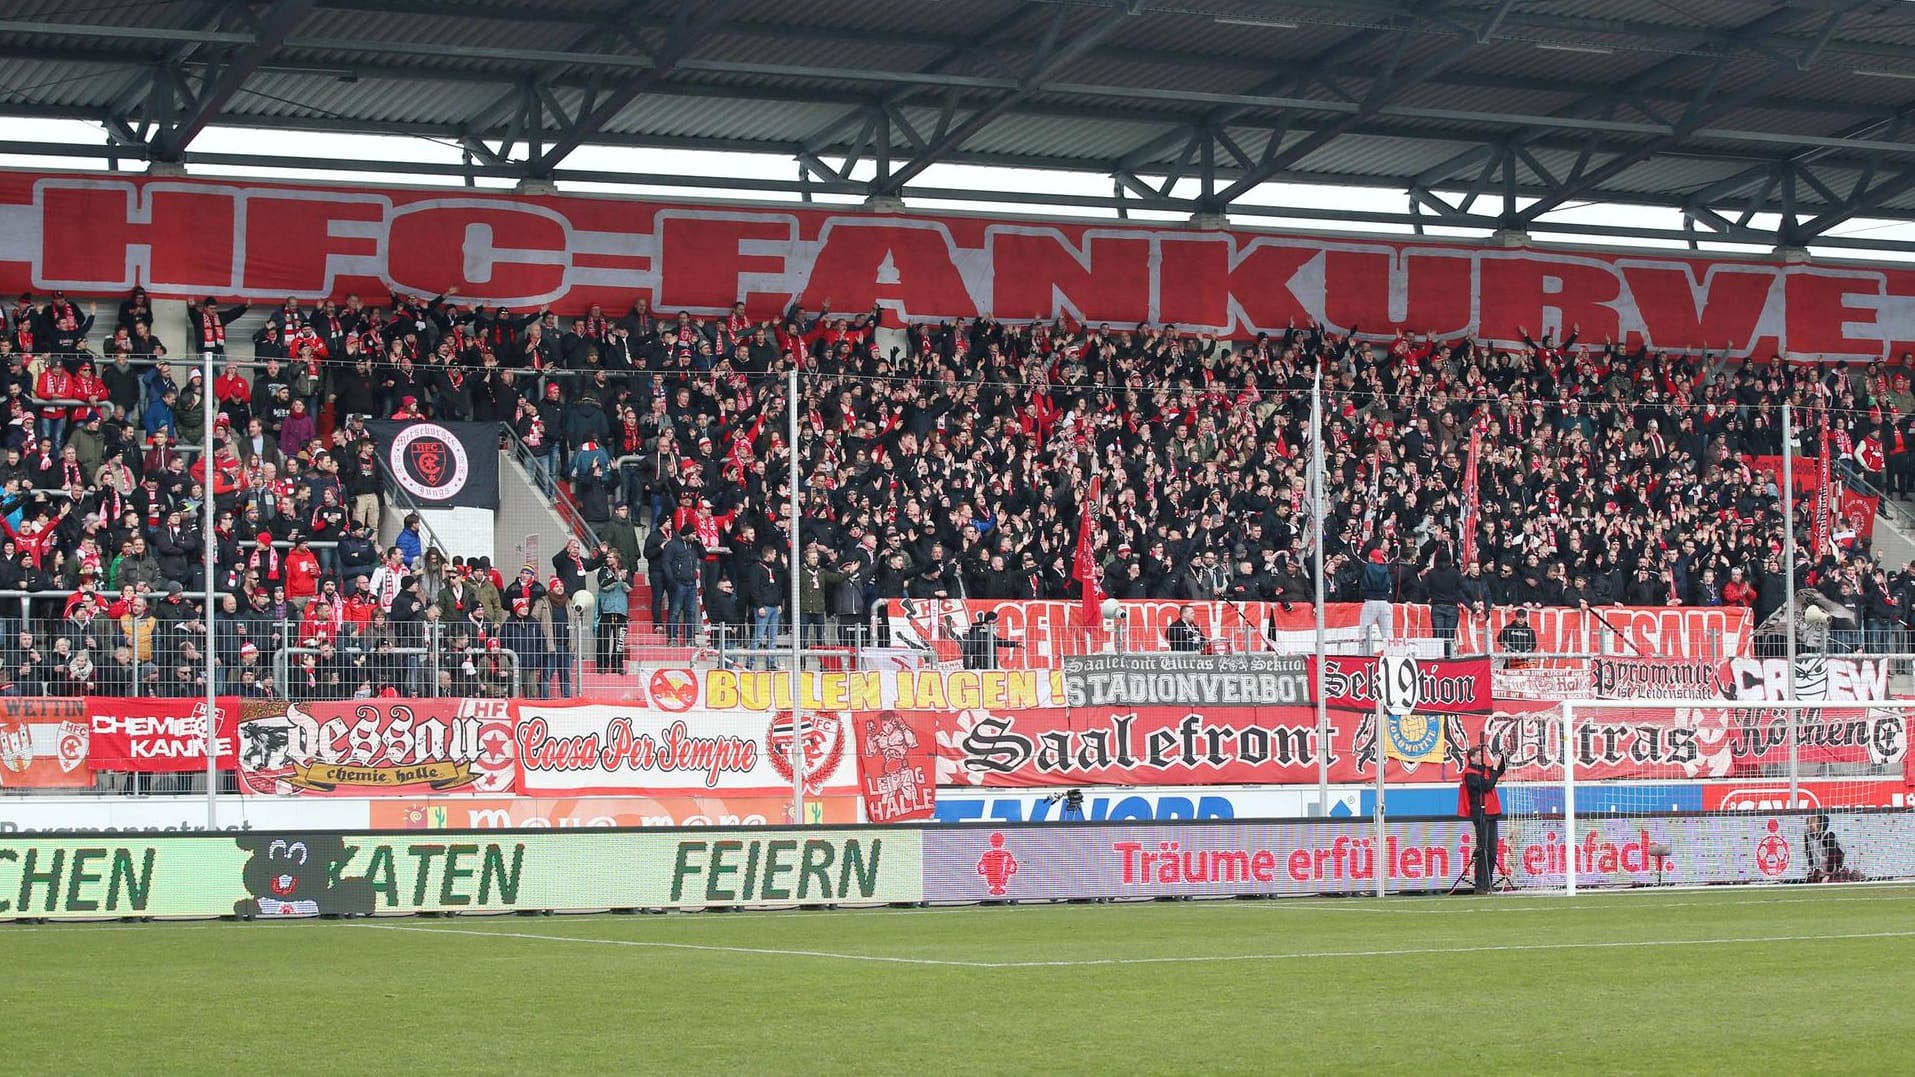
(534, 465)
(423, 679)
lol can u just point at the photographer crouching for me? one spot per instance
(1476, 800)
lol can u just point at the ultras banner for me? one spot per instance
(442, 465)
(187, 238)
(293, 874)
(1048, 631)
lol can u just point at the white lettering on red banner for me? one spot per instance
(185, 238)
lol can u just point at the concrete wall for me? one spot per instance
(526, 527)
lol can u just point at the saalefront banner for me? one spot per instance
(185, 238)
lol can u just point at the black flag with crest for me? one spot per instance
(441, 465)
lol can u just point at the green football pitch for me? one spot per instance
(1784, 980)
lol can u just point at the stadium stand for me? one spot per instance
(952, 463)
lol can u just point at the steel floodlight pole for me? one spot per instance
(209, 550)
(797, 615)
(1317, 500)
(1788, 587)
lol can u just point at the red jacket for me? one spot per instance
(1486, 776)
(302, 574)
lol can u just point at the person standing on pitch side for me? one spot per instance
(1476, 800)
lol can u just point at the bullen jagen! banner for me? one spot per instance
(1185, 680)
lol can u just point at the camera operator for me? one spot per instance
(1477, 801)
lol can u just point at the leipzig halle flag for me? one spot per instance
(442, 465)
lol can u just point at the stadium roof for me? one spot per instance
(1763, 121)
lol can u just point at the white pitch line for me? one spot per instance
(1191, 960)
(652, 945)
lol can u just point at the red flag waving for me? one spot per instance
(1086, 571)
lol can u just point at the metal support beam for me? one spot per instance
(213, 96)
(686, 34)
(1703, 111)
(1058, 53)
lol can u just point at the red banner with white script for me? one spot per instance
(1280, 746)
(184, 238)
(1048, 630)
(157, 736)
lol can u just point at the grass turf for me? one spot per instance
(1793, 979)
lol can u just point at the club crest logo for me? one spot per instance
(429, 462)
(822, 746)
(72, 745)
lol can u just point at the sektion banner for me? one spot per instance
(1446, 686)
(443, 465)
(185, 238)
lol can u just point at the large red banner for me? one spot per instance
(186, 238)
(897, 765)
(1280, 745)
(157, 735)
(1048, 630)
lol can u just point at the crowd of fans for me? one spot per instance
(957, 464)
(953, 464)
(102, 498)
